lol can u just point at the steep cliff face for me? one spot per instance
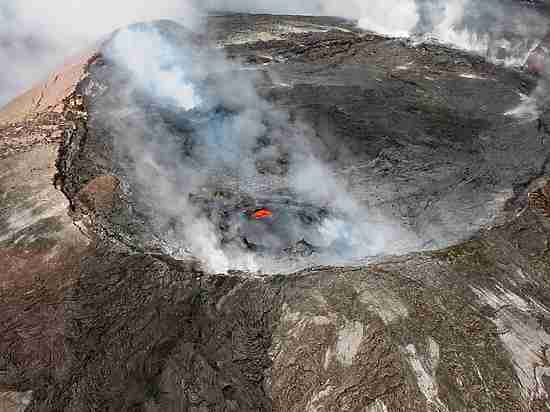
(101, 312)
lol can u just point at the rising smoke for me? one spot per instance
(35, 36)
(225, 153)
(503, 32)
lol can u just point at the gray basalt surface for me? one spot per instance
(95, 317)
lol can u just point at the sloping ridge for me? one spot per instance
(39, 243)
(48, 95)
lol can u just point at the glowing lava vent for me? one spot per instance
(262, 214)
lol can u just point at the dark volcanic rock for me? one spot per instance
(95, 316)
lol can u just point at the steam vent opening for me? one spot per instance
(262, 214)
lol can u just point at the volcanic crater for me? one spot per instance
(160, 193)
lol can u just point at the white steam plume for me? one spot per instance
(501, 31)
(163, 181)
(227, 146)
(36, 35)
(394, 19)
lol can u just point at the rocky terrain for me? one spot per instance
(99, 313)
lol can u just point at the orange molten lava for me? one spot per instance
(262, 214)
